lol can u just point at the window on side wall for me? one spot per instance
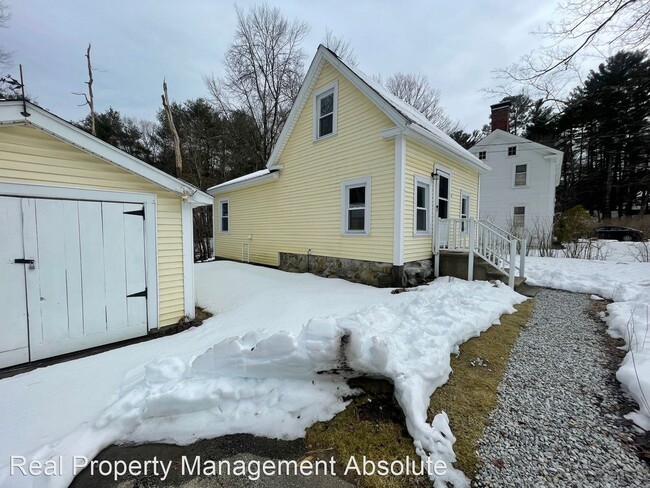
(512, 150)
(325, 106)
(356, 207)
(224, 216)
(422, 205)
(519, 218)
(482, 155)
(521, 174)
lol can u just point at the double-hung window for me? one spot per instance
(356, 206)
(325, 106)
(224, 215)
(521, 174)
(422, 205)
(519, 218)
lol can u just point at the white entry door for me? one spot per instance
(79, 267)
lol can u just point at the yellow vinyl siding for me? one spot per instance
(28, 155)
(420, 161)
(302, 209)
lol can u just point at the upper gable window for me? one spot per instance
(325, 107)
(482, 155)
(512, 150)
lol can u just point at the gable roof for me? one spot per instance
(11, 113)
(408, 120)
(535, 146)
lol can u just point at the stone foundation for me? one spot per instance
(359, 271)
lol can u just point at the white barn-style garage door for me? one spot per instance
(73, 275)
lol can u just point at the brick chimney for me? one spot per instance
(500, 116)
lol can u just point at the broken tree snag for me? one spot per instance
(90, 100)
(176, 140)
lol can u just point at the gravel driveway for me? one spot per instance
(558, 421)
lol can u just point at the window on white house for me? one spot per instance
(512, 150)
(422, 205)
(521, 171)
(519, 218)
(224, 216)
(482, 154)
(356, 206)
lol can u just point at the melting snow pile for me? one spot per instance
(278, 384)
(628, 285)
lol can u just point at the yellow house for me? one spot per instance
(95, 245)
(356, 186)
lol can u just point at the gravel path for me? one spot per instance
(557, 422)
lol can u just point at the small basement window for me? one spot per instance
(325, 111)
(512, 150)
(521, 172)
(482, 155)
(519, 218)
(224, 216)
(422, 205)
(356, 206)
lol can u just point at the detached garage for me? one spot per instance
(95, 245)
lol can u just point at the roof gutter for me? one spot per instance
(226, 187)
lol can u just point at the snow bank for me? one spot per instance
(277, 383)
(628, 285)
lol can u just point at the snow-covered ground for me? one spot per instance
(252, 368)
(625, 281)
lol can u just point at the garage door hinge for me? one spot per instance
(136, 212)
(142, 293)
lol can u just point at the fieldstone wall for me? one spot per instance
(356, 270)
(417, 272)
(367, 272)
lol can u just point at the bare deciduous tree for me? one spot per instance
(5, 56)
(585, 26)
(263, 72)
(90, 99)
(176, 140)
(418, 92)
(341, 47)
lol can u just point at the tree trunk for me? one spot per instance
(172, 128)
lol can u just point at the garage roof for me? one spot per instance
(13, 113)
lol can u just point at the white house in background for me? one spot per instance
(518, 195)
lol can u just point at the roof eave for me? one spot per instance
(228, 187)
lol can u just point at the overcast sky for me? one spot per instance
(136, 43)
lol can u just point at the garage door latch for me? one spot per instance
(142, 293)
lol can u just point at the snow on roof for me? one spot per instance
(249, 176)
(412, 114)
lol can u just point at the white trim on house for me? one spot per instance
(398, 205)
(189, 297)
(220, 215)
(508, 147)
(239, 184)
(10, 114)
(150, 231)
(465, 194)
(512, 215)
(438, 168)
(428, 183)
(332, 88)
(345, 186)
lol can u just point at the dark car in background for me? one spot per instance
(618, 233)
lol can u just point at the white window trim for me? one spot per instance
(468, 195)
(514, 175)
(516, 146)
(344, 206)
(478, 155)
(334, 88)
(220, 210)
(513, 214)
(417, 181)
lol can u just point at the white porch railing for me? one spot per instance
(494, 245)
